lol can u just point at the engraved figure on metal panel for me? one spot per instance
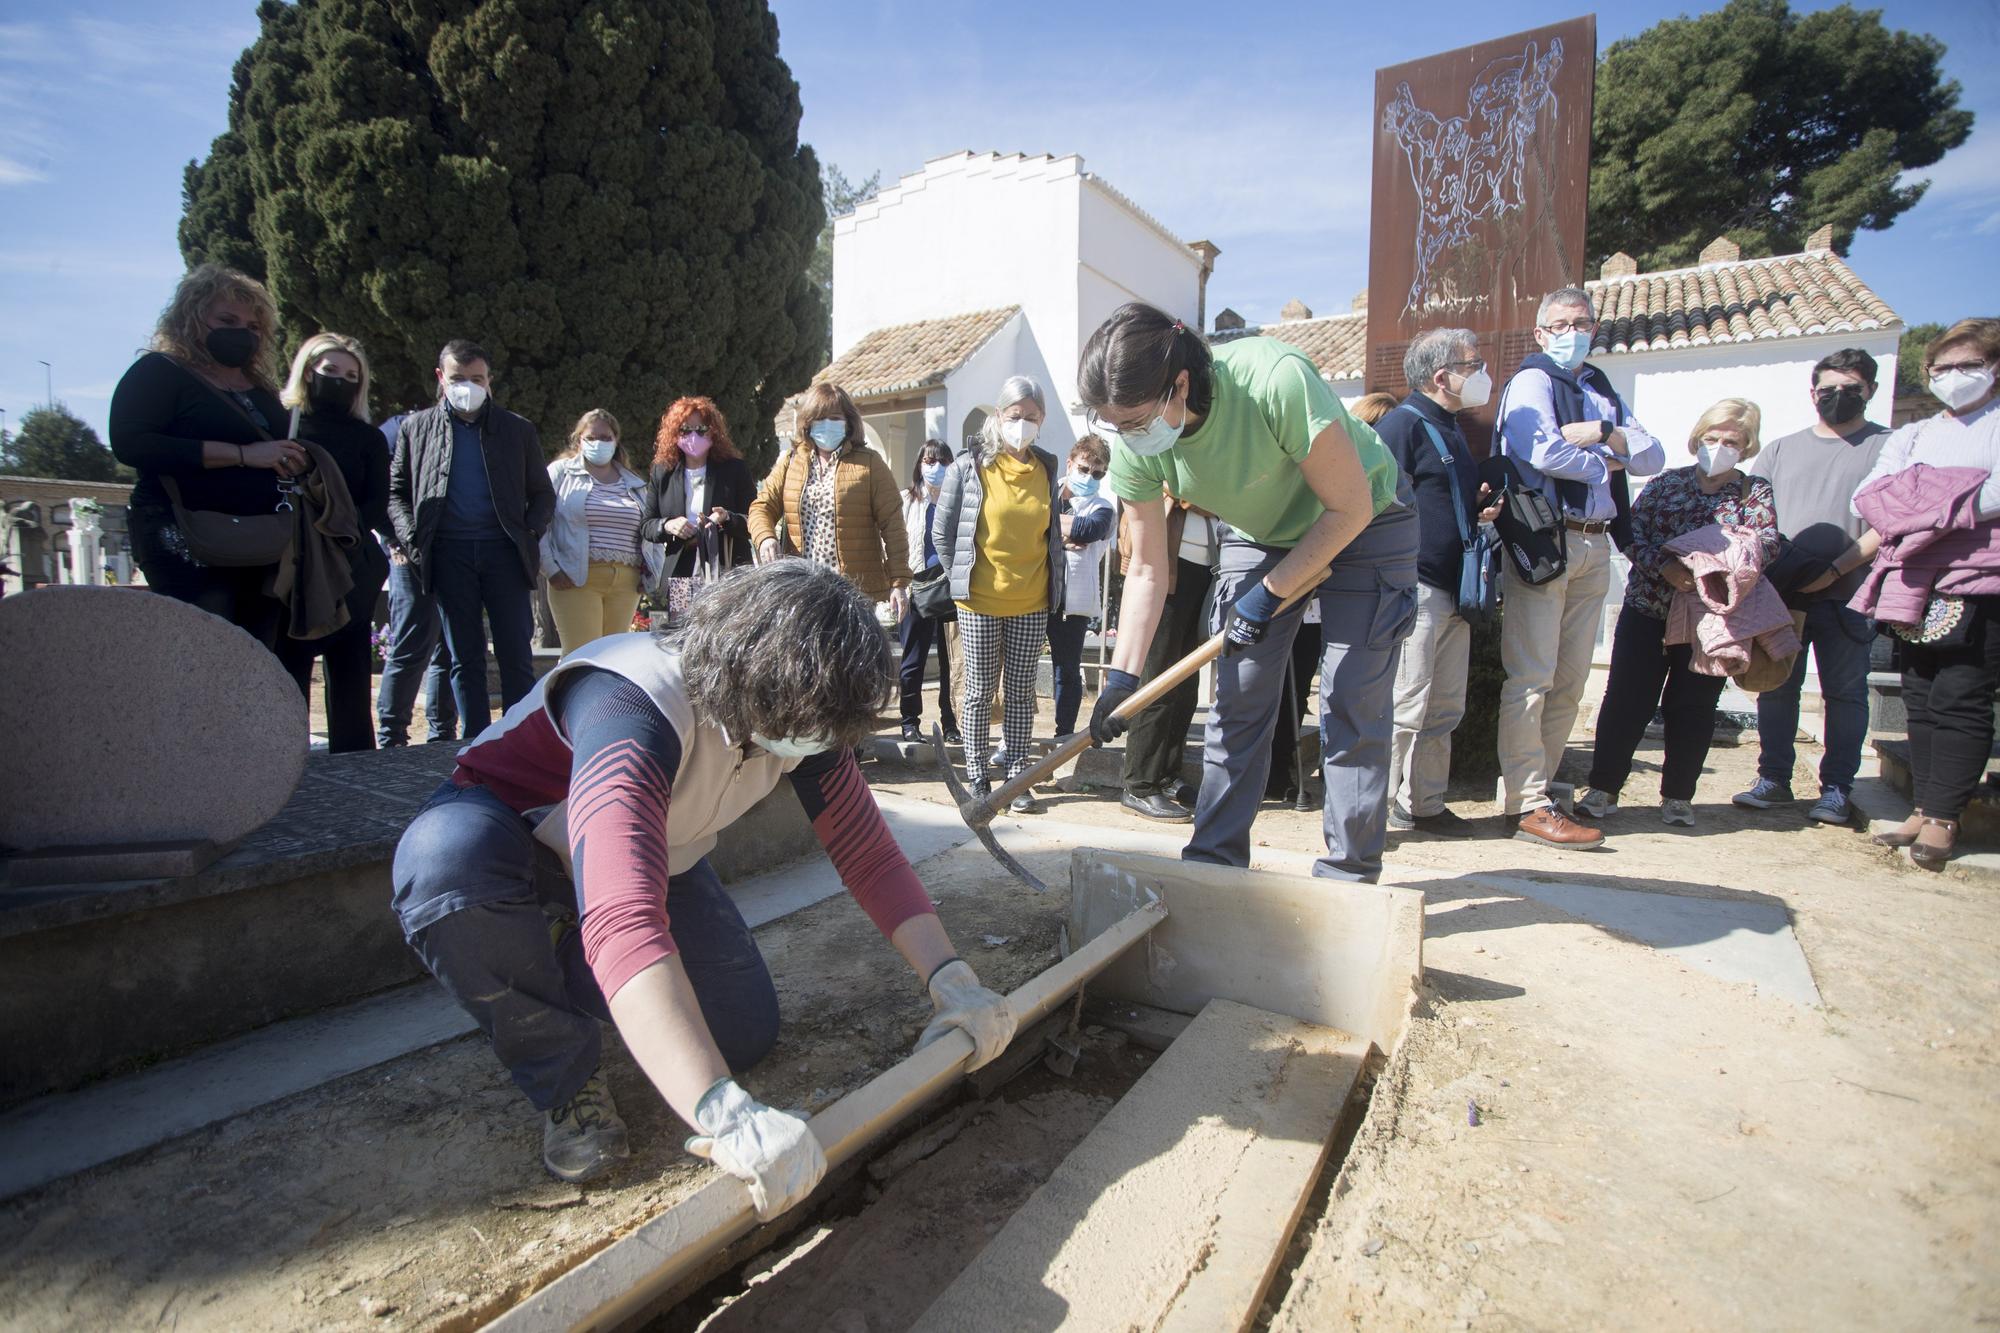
(1469, 167)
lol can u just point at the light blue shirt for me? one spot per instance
(1531, 435)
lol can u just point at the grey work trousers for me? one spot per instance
(1367, 605)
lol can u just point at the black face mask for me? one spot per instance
(331, 393)
(1841, 404)
(232, 347)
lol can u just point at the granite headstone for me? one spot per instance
(134, 725)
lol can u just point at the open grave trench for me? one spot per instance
(344, 1169)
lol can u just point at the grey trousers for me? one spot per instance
(1367, 604)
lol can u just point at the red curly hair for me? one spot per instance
(667, 444)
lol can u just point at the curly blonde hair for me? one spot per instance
(315, 347)
(182, 332)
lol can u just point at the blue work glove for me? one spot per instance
(1249, 618)
(1114, 689)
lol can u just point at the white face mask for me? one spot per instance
(1477, 388)
(1962, 388)
(598, 452)
(1020, 433)
(1716, 459)
(791, 747)
(465, 397)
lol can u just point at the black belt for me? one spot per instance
(1580, 525)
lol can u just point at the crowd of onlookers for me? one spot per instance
(1356, 546)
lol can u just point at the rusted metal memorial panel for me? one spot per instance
(1482, 177)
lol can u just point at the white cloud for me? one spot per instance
(19, 173)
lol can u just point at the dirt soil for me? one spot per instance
(1654, 1147)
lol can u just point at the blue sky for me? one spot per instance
(1255, 137)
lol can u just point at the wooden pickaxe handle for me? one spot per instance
(1154, 690)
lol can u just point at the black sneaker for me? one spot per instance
(951, 736)
(913, 731)
(1025, 804)
(1443, 824)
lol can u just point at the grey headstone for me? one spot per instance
(129, 717)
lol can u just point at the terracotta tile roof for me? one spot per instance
(1786, 296)
(913, 356)
(1337, 344)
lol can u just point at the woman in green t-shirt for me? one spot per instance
(1252, 434)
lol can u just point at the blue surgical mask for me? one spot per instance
(791, 747)
(1082, 485)
(597, 452)
(1569, 350)
(828, 434)
(934, 474)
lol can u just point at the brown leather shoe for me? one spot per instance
(1549, 825)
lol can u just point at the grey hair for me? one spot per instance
(790, 648)
(1564, 296)
(1431, 352)
(1017, 389)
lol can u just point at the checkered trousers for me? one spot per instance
(988, 645)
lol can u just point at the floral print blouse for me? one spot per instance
(1672, 504)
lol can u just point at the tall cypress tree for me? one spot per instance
(609, 194)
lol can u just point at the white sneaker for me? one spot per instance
(1677, 812)
(1596, 803)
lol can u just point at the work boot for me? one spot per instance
(1551, 827)
(581, 1137)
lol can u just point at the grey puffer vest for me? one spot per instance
(955, 527)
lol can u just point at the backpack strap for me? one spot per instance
(1450, 472)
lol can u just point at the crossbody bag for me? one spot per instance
(1478, 597)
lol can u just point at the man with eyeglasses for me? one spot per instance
(1568, 433)
(1814, 474)
(1446, 376)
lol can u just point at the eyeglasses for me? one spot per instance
(1562, 326)
(695, 430)
(1943, 366)
(1477, 366)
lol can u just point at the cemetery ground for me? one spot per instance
(1581, 1128)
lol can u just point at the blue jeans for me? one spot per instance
(471, 578)
(415, 646)
(1839, 639)
(1066, 656)
(488, 909)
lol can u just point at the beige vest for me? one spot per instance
(715, 784)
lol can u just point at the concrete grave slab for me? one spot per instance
(166, 724)
(1732, 939)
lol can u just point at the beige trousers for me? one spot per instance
(1546, 637)
(1430, 699)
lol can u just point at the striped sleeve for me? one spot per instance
(857, 839)
(625, 756)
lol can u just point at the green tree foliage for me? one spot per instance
(841, 197)
(1910, 349)
(1765, 125)
(610, 195)
(54, 442)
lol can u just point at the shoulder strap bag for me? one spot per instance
(231, 541)
(1478, 599)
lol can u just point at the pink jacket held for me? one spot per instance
(1732, 605)
(1933, 541)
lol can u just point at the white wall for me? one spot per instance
(979, 231)
(1015, 350)
(1667, 391)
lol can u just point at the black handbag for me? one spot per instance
(233, 541)
(1478, 599)
(1530, 529)
(931, 595)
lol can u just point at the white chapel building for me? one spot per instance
(981, 266)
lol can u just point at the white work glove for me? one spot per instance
(771, 1151)
(959, 1001)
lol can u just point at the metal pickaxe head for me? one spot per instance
(978, 812)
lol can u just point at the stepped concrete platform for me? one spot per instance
(96, 978)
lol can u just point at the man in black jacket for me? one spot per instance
(469, 495)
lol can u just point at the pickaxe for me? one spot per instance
(978, 812)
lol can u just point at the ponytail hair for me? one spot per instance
(1136, 355)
